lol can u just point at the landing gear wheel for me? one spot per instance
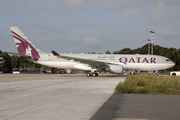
(92, 74)
(88, 74)
(95, 74)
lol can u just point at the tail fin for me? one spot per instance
(24, 45)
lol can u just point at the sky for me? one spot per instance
(85, 26)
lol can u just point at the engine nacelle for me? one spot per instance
(116, 69)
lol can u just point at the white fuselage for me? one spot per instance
(132, 62)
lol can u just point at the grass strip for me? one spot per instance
(141, 84)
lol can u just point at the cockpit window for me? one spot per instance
(168, 60)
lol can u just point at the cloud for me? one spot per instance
(75, 3)
(93, 42)
(161, 12)
(166, 33)
(132, 13)
(69, 25)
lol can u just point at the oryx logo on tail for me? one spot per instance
(24, 47)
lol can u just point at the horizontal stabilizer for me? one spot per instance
(19, 55)
(55, 53)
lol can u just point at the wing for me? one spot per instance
(81, 60)
(19, 55)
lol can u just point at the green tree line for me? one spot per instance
(171, 53)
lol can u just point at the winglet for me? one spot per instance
(55, 53)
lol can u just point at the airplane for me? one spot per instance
(94, 63)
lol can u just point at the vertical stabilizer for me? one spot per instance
(24, 45)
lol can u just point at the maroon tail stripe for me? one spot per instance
(18, 38)
(18, 35)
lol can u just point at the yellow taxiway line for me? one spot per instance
(18, 96)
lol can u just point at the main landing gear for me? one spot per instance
(92, 74)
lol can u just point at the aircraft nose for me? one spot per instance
(172, 63)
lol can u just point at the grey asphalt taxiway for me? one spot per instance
(53, 97)
(76, 97)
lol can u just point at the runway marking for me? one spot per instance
(19, 96)
(34, 87)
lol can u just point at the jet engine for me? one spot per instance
(115, 69)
